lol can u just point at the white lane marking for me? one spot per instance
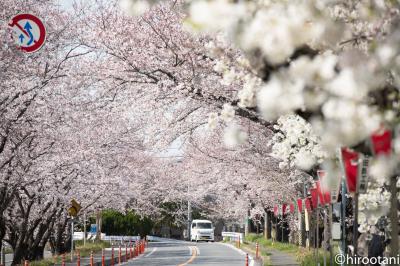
(198, 250)
(194, 248)
(251, 262)
(151, 252)
(238, 250)
(190, 250)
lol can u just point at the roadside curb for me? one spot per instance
(252, 261)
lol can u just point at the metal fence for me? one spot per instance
(233, 236)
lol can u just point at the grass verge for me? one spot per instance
(304, 256)
(8, 251)
(83, 250)
(285, 247)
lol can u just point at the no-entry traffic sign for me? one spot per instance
(29, 32)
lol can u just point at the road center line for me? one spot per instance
(154, 250)
(194, 254)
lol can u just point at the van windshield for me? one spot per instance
(204, 225)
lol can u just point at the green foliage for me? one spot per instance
(8, 251)
(84, 251)
(308, 258)
(305, 256)
(45, 262)
(117, 223)
(90, 246)
(286, 247)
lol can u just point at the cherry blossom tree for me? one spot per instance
(56, 139)
(271, 87)
(175, 76)
(332, 63)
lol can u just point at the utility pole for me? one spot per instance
(84, 229)
(72, 239)
(189, 214)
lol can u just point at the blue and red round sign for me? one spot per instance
(29, 32)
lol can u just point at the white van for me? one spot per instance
(202, 230)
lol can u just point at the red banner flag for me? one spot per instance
(300, 205)
(350, 166)
(327, 196)
(320, 193)
(276, 210)
(308, 205)
(284, 209)
(314, 197)
(323, 194)
(381, 142)
(291, 207)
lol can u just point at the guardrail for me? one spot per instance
(91, 236)
(121, 238)
(233, 236)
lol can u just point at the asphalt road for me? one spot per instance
(180, 253)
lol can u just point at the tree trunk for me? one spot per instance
(36, 253)
(267, 225)
(2, 231)
(98, 224)
(246, 224)
(19, 253)
(57, 241)
(302, 230)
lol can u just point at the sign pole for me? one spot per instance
(3, 254)
(72, 240)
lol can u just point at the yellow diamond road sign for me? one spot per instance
(75, 208)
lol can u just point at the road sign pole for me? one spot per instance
(3, 255)
(72, 240)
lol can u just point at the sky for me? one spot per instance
(67, 4)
